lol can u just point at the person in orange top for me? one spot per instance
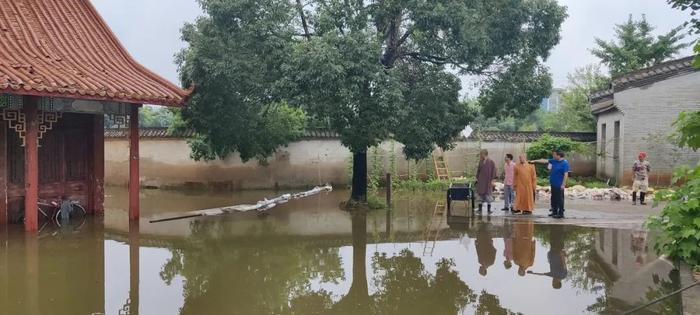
(524, 245)
(525, 184)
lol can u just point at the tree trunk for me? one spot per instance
(357, 300)
(359, 176)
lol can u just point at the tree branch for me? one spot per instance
(404, 37)
(300, 8)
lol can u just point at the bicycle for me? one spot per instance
(73, 207)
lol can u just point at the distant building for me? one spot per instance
(636, 114)
(551, 103)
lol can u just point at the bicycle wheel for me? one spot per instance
(80, 209)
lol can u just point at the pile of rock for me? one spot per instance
(581, 192)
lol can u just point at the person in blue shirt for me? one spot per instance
(558, 176)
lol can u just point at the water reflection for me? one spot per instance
(381, 262)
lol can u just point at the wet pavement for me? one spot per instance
(310, 257)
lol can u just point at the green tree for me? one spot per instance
(679, 221)
(234, 61)
(693, 6)
(371, 69)
(158, 117)
(636, 47)
(542, 149)
(574, 114)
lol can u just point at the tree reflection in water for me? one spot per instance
(235, 276)
(272, 274)
(402, 286)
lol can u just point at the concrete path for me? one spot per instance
(621, 214)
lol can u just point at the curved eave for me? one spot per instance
(63, 48)
(603, 106)
(91, 95)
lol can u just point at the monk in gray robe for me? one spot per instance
(485, 176)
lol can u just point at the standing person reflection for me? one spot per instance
(523, 245)
(556, 257)
(485, 251)
(507, 244)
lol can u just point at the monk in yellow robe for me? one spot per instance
(525, 183)
(524, 245)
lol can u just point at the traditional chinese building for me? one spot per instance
(637, 113)
(62, 70)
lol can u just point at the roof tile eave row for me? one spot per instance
(65, 49)
(485, 135)
(89, 95)
(646, 76)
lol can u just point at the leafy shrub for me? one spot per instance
(542, 149)
(416, 184)
(679, 221)
(595, 184)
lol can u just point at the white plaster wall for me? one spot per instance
(167, 163)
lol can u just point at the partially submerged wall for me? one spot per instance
(166, 163)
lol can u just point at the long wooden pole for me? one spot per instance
(31, 164)
(134, 206)
(388, 190)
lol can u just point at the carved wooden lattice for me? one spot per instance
(17, 121)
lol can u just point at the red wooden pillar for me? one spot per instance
(134, 163)
(134, 275)
(31, 163)
(31, 295)
(3, 174)
(98, 172)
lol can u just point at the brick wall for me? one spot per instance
(646, 116)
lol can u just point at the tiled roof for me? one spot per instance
(150, 133)
(653, 74)
(645, 76)
(528, 136)
(485, 136)
(63, 48)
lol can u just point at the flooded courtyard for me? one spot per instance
(310, 257)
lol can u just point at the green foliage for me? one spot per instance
(542, 149)
(637, 48)
(516, 92)
(690, 5)
(151, 116)
(694, 7)
(279, 124)
(413, 184)
(587, 182)
(542, 179)
(375, 172)
(234, 59)
(574, 113)
(680, 219)
(688, 129)
(371, 70)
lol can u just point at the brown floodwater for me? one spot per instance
(309, 257)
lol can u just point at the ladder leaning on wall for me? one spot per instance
(442, 172)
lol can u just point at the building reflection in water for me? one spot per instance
(353, 263)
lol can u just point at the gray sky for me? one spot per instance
(150, 29)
